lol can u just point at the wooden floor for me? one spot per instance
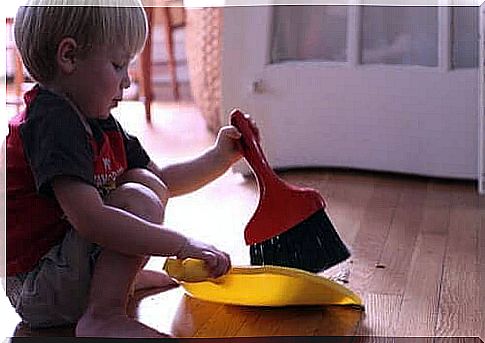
(418, 247)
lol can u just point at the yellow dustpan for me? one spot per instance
(259, 285)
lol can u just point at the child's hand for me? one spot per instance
(218, 262)
(228, 142)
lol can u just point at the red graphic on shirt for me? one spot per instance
(109, 161)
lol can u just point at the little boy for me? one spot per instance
(85, 203)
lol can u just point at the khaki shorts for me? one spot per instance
(55, 292)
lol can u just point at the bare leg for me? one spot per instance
(114, 274)
(150, 279)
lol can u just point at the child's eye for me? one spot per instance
(117, 66)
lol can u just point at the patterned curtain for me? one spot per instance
(203, 33)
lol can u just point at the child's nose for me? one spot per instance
(125, 81)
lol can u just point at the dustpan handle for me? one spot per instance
(251, 149)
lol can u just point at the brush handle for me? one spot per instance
(251, 149)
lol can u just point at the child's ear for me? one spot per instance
(67, 55)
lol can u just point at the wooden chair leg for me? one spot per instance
(146, 66)
(18, 80)
(172, 68)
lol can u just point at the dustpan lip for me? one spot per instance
(292, 273)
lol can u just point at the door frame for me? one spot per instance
(481, 109)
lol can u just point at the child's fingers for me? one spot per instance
(227, 262)
(253, 126)
(220, 267)
(231, 132)
(218, 263)
(224, 264)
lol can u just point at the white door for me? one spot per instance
(368, 87)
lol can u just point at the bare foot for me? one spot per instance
(148, 279)
(114, 325)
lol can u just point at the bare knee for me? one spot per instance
(148, 179)
(138, 200)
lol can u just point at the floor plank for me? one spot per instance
(459, 314)
(372, 235)
(481, 266)
(225, 322)
(391, 271)
(418, 311)
(381, 315)
(302, 321)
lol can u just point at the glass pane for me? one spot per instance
(309, 33)
(400, 35)
(465, 37)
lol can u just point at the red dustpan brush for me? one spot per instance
(289, 227)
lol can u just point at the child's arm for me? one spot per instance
(188, 176)
(123, 232)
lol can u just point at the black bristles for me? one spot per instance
(313, 245)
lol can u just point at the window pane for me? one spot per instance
(465, 37)
(400, 35)
(309, 33)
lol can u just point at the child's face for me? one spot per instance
(98, 81)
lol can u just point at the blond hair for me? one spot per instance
(40, 25)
